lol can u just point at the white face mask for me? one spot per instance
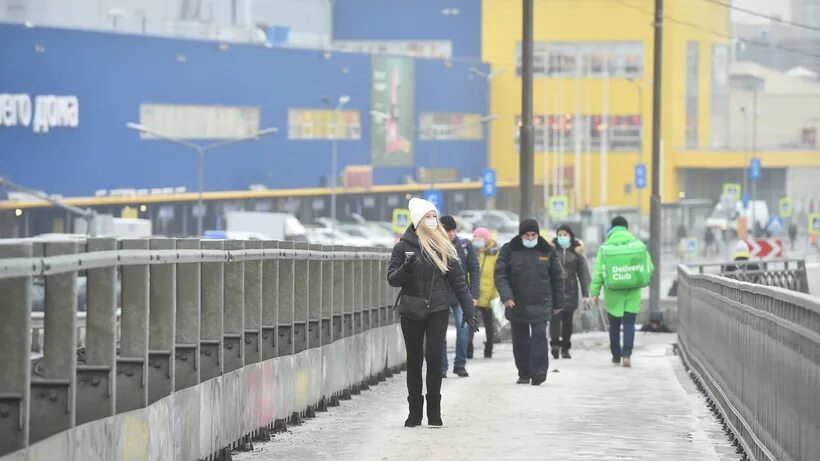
(530, 243)
(478, 243)
(431, 223)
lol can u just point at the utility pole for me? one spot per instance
(526, 165)
(655, 209)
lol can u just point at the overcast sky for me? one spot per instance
(771, 7)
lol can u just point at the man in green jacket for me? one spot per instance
(623, 267)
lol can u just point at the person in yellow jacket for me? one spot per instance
(487, 250)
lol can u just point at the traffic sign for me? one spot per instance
(559, 207)
(640, 176)
(775, 225)
(785, 208)
(488, 187)
(814, 224)
(732, 189)
(436, 198)
(754, 169)
(746, 198)
(401, 220)
(765, 248)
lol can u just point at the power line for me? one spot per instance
(763, 15)
(720, 34)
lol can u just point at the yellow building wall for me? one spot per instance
(603, 20)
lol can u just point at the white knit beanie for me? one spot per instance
(418, 208)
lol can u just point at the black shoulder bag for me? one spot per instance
(414, 307)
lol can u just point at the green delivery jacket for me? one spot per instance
(617, 301)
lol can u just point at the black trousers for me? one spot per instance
(489, 327)
(561, 329)
(434, 329)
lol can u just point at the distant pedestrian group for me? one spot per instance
(539, 283)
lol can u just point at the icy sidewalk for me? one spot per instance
(587, 410)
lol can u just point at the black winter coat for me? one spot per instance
(470, 266)
(576, 272)
(425, 276)
(532, 277)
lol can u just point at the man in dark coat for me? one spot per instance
(472, 271)
(530, 281)
(571, 256)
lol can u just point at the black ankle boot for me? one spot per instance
(434, 410)
(488, 350)
(416, 404)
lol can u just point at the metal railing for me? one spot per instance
(784, 273)
(192, 312)
(755, 350)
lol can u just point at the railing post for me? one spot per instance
(358, 291)
(132, 363)
(15, 377)
(300, 301)
(285, 296)
(366, 287)
(187, 354)
(234, 319)
(53, 381)
(253, 305)
(349, 295)
(327, 295)
(270, 301)
(96, 385)
(337, 299)
(162, 324)
(315, 297)
(212, 300)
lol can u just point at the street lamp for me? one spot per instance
(344, 99)
(384, 117)
(475, 72)
(200, 150)
(639, 86)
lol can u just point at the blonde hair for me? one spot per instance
(437, 246)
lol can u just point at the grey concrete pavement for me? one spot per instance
(587, 410)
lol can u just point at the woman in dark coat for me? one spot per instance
(425, 265)
(571, 256)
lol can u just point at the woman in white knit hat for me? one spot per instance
(426, 266)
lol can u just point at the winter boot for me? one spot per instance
(416, 403)
(555, 352)
(565, 354)
(488, 350)
(434, 410)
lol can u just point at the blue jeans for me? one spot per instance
(462, 338)
(628, 321)
(530, 349)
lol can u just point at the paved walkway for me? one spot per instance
(587, 410)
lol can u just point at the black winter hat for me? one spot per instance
(448, 222)
(528, 225)
(565, 227)
(619, 221)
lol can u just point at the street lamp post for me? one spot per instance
(639, 85)
(200, 150)
(344, 99)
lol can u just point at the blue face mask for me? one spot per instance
(530, 243)
(564, 241)
(478, 244)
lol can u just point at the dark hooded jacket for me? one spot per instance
(576, 272)
(532, 277)
(425, 276)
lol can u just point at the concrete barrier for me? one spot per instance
(220, 342)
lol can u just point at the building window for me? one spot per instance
(450, 127)
(719, 104)
(595, 59)
(692, 57)
(551, 132)
(320, 124)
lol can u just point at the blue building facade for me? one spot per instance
(99, 81)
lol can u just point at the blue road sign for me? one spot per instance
(434, 196)
(640, 176)
(754, 169)
(488, 182)
(775, 225)
(746, 198)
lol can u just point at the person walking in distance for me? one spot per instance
(571, 256)
(469, 264)
(623, 268)
(529, 278)
(487, 250)
(425, 265)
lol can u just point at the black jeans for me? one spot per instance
(561, 329)
(434, 328)
(489, 327)
(530, 350)
(628, 321)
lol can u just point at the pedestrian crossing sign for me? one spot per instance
(559, 207)
(401, 220)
